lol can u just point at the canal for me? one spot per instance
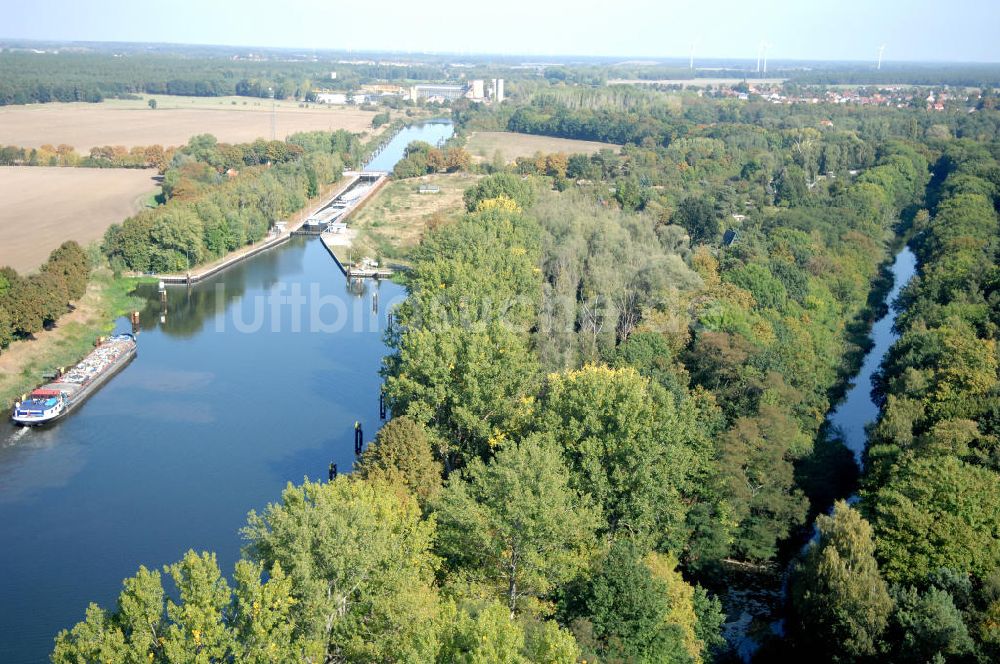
(755, 610)
(434, 133)
(244, 382)
(857, 410)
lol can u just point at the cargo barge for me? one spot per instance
(53, 400)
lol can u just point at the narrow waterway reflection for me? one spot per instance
(850, 417)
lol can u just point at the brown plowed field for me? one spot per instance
(43, 207)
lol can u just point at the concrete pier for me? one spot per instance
(343, 237)
(342, 240)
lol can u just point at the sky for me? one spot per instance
(911, 30)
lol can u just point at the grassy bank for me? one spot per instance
(23, 362)
(395, 219)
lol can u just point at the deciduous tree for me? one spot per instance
(515, 524)
(359, 559)
(402, 454)
(841, 602)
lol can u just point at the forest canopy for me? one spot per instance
(609, 383)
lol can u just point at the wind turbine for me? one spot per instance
(694, 44)
(760, 51)
(764, 47)
(880, 49)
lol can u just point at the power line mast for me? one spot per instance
(274, 120)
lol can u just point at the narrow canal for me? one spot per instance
(434, 133)
(850, 417)
(245, 382)
(761, 608)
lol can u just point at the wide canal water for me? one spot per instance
(243, 383)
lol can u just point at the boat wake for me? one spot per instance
(19, 433)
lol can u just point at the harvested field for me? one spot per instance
(395, 219)
(484, 144)
(173, 122)
(43, 207)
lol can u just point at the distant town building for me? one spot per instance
(336, 98)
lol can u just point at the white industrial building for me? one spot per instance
(437, 92)
(336, 98)
(474, 90)
(340, 98)
(496, 90)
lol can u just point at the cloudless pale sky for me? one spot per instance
(935, 30)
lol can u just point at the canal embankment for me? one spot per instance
(23, 363)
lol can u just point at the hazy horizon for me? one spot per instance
(852, 31)
(704, 62)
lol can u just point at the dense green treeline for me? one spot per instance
(30, 303)
(965, 74)
(91, 77)
(106, 156)
(626, 114)
(924, 582)
(760, 326)
(31, 77)
(968, 74)
(611, 454)
(221, 197)
(421, 158)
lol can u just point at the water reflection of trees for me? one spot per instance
(187, 309)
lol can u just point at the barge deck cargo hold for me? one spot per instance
(59, 397)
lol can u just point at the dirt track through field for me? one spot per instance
(43, 207)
